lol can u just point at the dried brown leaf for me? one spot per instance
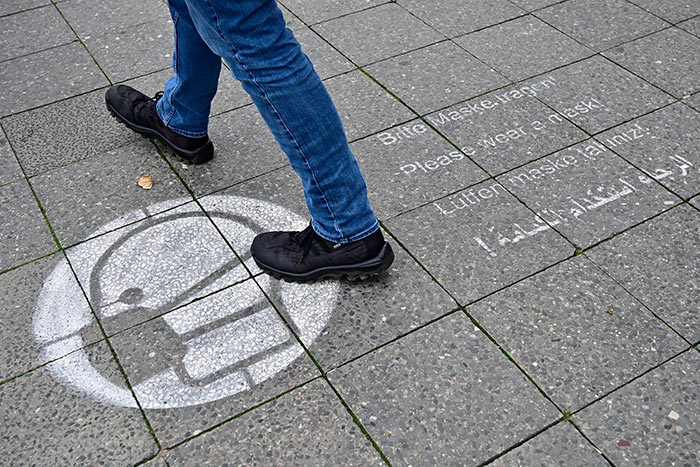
(146, 182)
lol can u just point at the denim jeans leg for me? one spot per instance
(251, 37)
(186, 101)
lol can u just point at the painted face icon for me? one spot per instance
(220, 334)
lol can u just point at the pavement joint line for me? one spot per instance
(372, 7)
(654, 14)
(639, 300)
(38, 7)
(570, 419)
(55, 4)
(529, 437)
(254, 177)
(46, 49)
(115, 357)
(357, 421)
(12, 114)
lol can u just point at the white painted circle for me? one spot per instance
(233, 339)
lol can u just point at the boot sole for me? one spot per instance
(199, 156)
(352, 272)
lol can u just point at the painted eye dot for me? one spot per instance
(131, 296)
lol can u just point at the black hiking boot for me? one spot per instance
(138, 112)
(306, 256)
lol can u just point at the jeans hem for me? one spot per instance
(353, 238)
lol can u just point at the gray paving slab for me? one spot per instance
(692, 26)
(657, 262)
(195, 380)
(243, 148)
(291, 19)
(460, 240)
(693, 101)
(327, 61)
(138, 272)
(531, 5)
(312, 11)
(601, 24)
(596, 94)
(91, 17)
(364, 38)
(44, 26)
(22, 291)
(560, 445)
(306, 427)
(670, 10)
(507, 128)
(55, 74)
(523, 48)
(577, 333)
(81, 197)
(24, 235)
(410, 165)
(133, 51)
(587, 193)
(665, 144)
(58, 134)
(7, 8)
(434, 77)
(9, 168)
(52, 423)
(695, 202)
(364, 106)
(454, 17)
(667, 59)
(651, 421)
(443, 395)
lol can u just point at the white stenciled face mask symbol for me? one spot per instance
(217, 346)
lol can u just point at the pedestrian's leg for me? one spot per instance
(186, 101)
(344, 238)
(252, 38)
(180, 115)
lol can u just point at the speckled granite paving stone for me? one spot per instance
(692, 26)
(657, 262)
(601, 24)
(181, 404)
(147, 268)
(693, 101)
(364, 106)
(436, 76)
(665, 144)
(523, 47)
(411, 165)
(90, 17)
(306, 427)
(326, 60)
(44, 26)
(243, 148)
(667, 59)
(651, 421)
(14, 6)
(587, 193)
(19, 294)
(577, 333)
(9, 168)
(47, 421)
(312, 11)
(531, 5)
(46, 77)
(597, 94)
(454, 17)
(81, 197)
(560, 445)
(24, 235)
(291, 20)
(59, 134)
(442, 395)
(134, 50)
(479, 240)
(364, 37)
(507, 128)
(670, 10)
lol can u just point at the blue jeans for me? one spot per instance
(251, 37)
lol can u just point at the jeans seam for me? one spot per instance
(171, 114)
(277, 114)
